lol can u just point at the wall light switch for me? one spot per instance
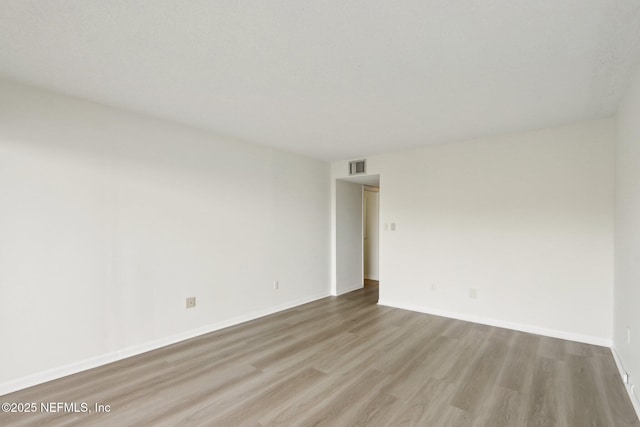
(393, 226)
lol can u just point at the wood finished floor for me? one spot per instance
(348, 362)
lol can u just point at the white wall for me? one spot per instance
(371, 240)
(109, 220)
(627, 237)
(349, 246)
(525, 219)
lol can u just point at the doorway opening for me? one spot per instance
(357, 234)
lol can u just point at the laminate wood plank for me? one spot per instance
(407, 383)
(589, 405)
(362, 353)
(371, 412)
(266, 400)
(408, 364)
(333, 411)
(482, 373)
(425, 403)
(517, 371)
(503, 407)
(614, 392)
(345, 361)
(552, 348)
(548, 405)
(223, 400)
(192, 393)
(311, 339)
(291, 412)
(311, 357)
(454, 369)
(402, 350)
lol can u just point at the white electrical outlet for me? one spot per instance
(625, 378)
(276, 285)
(191, 302)
(434, 287)
(473, 293)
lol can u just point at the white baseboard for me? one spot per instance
(631, 390)
(93, 362)
(370, 277)
(587, 339)
(350, 289)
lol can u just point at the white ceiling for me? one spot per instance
(369, 180)
(332, 79)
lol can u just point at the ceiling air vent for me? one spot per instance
(357, 167)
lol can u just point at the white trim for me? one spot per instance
(635, 399)
(587, 339)
(93, 362)
(349, 289)
(371, 277)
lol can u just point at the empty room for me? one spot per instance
(305, 213)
